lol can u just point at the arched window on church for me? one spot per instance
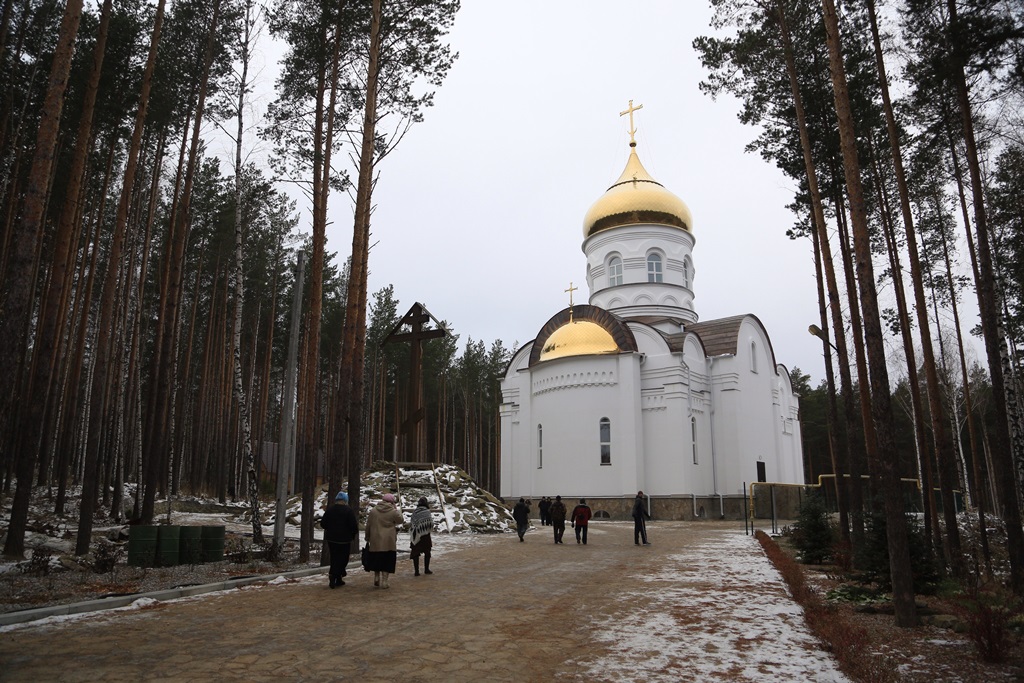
(606, 441)
(693, 435)
(753, 357)
(540, 447)
(686, 272)
(615, 272)
(654, 268)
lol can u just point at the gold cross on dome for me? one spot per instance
(571, 290)
(632, 128)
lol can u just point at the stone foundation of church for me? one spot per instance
(690, 508)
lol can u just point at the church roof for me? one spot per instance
(720, 337)
(581, 330)
(636, 198)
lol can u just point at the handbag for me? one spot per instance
(365, 558)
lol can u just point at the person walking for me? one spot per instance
(639, 515)
(382, 539)
(420, 525)
(340, 528)
(581, 520)
(557, 515)
(544, 507)
(521, 513)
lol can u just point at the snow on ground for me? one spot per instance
(701, 618)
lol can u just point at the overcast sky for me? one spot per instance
(479, 211)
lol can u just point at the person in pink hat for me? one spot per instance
(382, 539)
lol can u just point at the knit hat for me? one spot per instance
(422, 502)
(342, 496)
(558, 498)
(388, 498)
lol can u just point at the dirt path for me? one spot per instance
(495, 609)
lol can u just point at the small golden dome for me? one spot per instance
(634, 198)
(578, 338)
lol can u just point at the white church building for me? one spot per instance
(633, 391)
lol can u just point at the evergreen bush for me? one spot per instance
(813, 535)
(873, 557)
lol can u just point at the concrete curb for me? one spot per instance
(23, 616)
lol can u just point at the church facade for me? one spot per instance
(632, 391)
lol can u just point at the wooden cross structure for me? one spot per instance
(415, 319)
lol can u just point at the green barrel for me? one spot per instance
(212, 543)
(142, 546)
(190, 548)
(167, 546)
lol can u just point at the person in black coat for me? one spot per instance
(639, 515)
(340, 527)
(521, 513)
(543, 506)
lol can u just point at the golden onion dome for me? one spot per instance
(578, 338)
(635, 198)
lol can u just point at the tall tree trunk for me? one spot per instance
(355, 333)
(841, 459)
(239, 291)
(896, 523)
(19, 282)
(1008, 442)
(103, 351)
(169, 316)
(943, 448)
(49, 326)
(914, 385)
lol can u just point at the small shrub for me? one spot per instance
(989, 614)
(105, 557)
(842, 554)
(38, 564)
(851, 593)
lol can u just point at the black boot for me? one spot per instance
(416, 566)
(426, 565)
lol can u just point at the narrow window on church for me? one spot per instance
(615, 272)
(540, 447)
(753, 357)
(654, 268)
(693, 435)
(606, 441)
(686, 272)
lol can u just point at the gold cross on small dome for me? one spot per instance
(571, 290)
(632, 128)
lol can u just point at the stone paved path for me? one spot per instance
(494, 610)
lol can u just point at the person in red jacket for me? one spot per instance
(580, 520)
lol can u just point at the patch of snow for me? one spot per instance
(723, 615)
(142, 602)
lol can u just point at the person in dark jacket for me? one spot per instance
(420, 525)
(521, 513)
(556, 513)
(544, 507)
(340, 528)
(639, 515)
(581, 520)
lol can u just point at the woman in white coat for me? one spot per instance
(382, 539)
